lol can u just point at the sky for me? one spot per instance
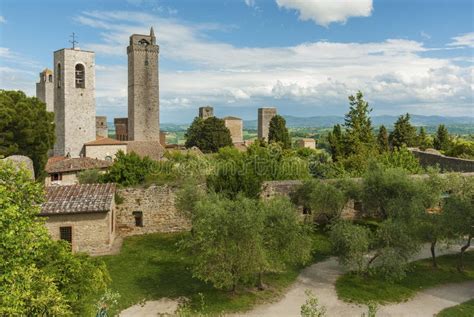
(302, 56)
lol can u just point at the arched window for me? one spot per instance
(80, 76)
(58, 75)
(50, 78)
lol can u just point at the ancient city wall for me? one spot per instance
(157, 205)
(446, 163)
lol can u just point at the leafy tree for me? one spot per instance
(401, 158)
(358, 125)
(26, 128)
(91, 176)
(403, 134)
(461, 148)
(277, 132)
(312, 308)
(39, 276)
(208, 135)
(442, 139)
(335, 139)
(129, 169)
(382, 139)
(424, 142)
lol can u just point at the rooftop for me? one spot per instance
(84, 198)
(105, 141)
(231, 118)
(59, 164)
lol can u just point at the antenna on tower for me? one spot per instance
(73, 42)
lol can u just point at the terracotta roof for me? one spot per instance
(152, 149)
(105, 141)
(75, 164)
(85, 198)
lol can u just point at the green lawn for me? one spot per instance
(465, 309)
(151, 267)
(354, 288)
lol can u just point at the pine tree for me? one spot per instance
(424, 141)
(404, 134)
(278, 132)
(382, 139)
(335, 142)
(442, 139)
(358, 125)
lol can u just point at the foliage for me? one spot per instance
(382, 139)
(39, 276)
(335, 139)
(421, 275)
(129, 169)
(153, 266)
(442, 139)
(465, 309)
(424, 141)
(277, 132)
(26, 128)
(351, 243)
(358, 125)
(107, 302)
(208, 135)
(311, 307)
(461, 148)
(91, 176)
(401, 158)
(403, 134)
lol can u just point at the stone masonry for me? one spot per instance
(101, 129)
(206, 112)
(155, 204)
(45, 89)
(264, 117)
(143, 88)
(235, 126)
(121, 129)
(74, 100)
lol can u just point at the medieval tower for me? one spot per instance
(143, 88)
(265, 115)
(45, 89)
(74, 100)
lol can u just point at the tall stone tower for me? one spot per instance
(206, 112)
(45, 89)
(264, 117)
(74, 100)
(143, 88)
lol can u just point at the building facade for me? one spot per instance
(74, 100)
(45, 89)
(143, 88)
(265, 115)
(206, 112)
(63, 171)
(121, 129)
(306, 143)
(235, 126)
(104, 149)
(101, 128)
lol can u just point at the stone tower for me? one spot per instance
(74, 100)
(45, 89)
(206, 112)
(264, 117)
(143, 88)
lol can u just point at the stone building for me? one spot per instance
(235, 126)
(74, 100)
(163, 138)
(206, 112)
(101, 129)
(265, 115)
(121, 129)
(306, 143)
(152, 149)
(104, 149)
(45, 89)
(83, 215)
(143, 88)
(63, 171)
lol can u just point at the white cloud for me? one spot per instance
(464, 40)
(2, 19)
(250, 3)
(425, 35)
(325, 12)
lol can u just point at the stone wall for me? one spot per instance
(104, 152)
(157, 204)
(446, 163)
(93, 233)
(101, 128)
(67, 178)
(45, 89)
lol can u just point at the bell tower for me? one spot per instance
(143, 88)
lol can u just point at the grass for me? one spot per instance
(152, 266)
(359, 289)
(465, 309)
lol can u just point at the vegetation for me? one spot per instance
(153, 266)
(441, 140)
(40, 277)
(26, 128)
(278, 132)
(403, 134)
(465, 309)
(91, 176)
(208, 135)
(129, 169)
(421, 275)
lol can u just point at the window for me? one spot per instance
(108, 158)
(65, 233)
(80, 76)
(138, 215)
(56, 177)
(58, 75)
(50, 78)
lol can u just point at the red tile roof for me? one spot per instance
(74, 164)
(84, 198)
(105, 141)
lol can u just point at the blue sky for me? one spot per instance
(304, 57)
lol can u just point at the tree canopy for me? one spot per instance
(278, 132)
(26, 128)
(403, 134)
(208, 135)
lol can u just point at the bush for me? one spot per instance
(89, 176)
